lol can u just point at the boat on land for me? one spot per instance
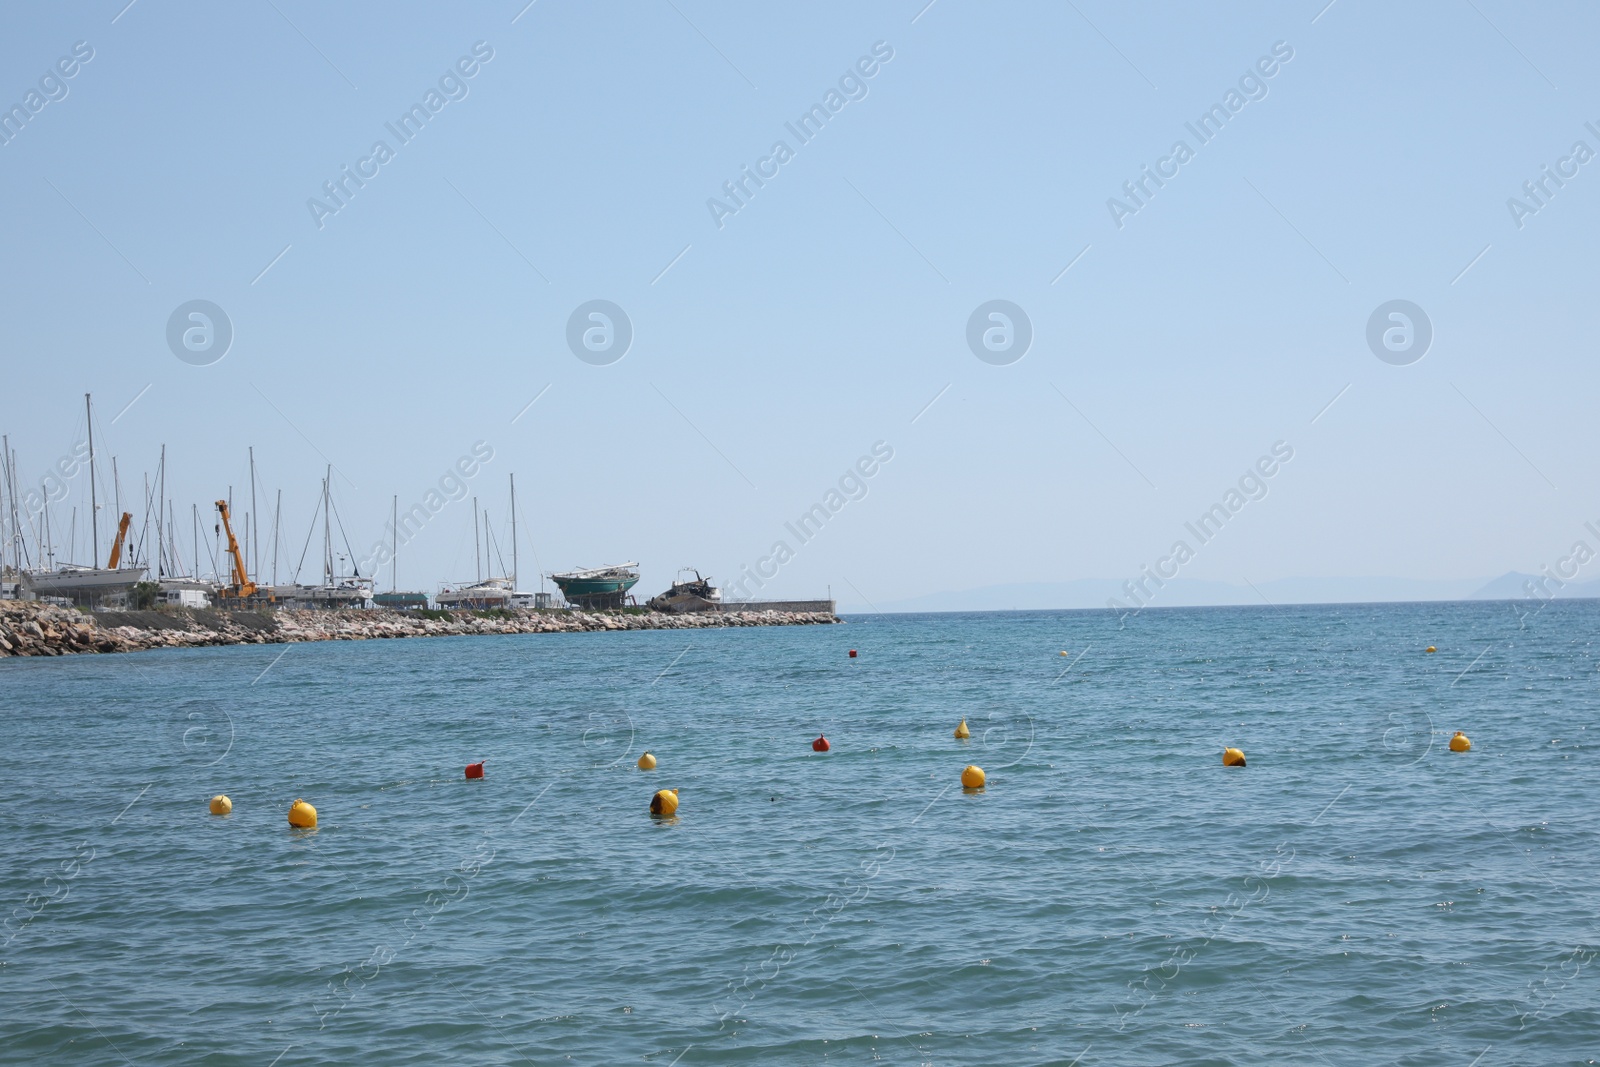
(696, 595)
(598, 587)
(488, 593)
(91, 586)
(480, 595)
(337, 590)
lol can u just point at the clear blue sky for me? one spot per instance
(828, 311)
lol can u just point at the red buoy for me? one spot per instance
(820, 744)
(852, 653)
(475, 770)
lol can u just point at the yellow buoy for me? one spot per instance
(962, 732)
(1233, 757)
(302, 815)
(1460, 743)
(1430, 648)
(665, 802)
(973, 777)
(647, 762)
(221, 805)
(1063, 652)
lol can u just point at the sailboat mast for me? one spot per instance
(144, 528)
(513, 533)
(5, 491)
(11, 491)
(477, 549)
(5, 495)
(394, 552)
(327, 530)
(11, 495)
(255, 530)
(28, 559)
(94, 507)
(161, 495)
(276, 514)
(16, 523)
(18, 543)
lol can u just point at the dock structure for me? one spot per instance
(730, 607)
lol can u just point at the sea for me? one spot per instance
(1357, 894)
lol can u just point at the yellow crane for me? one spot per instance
(122, 533)
(242, 585)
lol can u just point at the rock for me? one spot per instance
(32, 629)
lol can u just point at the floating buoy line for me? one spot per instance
(664, 803)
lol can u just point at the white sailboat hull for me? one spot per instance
(69, 581)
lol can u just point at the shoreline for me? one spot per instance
(29, 628)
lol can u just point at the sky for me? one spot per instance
(1154, 346)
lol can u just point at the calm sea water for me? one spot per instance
(1358, 894)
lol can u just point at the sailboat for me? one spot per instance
(91, 586)
(492, 592)
(337, 590)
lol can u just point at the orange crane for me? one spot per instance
(122, 533)
(242, 585)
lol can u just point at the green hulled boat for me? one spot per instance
(602, 587)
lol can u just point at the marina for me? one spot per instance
(146, 568)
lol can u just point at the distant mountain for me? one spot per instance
(1367, 590)
(1185, 592)
(1511, 586)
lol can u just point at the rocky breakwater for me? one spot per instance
(32, 629)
